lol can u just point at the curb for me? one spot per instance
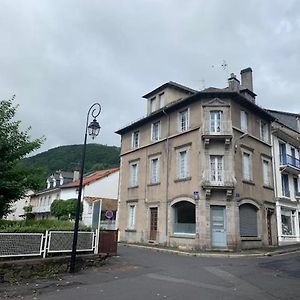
(220, 255)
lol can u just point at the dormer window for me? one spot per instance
(244, 120)
(161, 100)
(153, 104)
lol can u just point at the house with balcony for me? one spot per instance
(196, 172)
(286, 168)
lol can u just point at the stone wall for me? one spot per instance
(18, 270)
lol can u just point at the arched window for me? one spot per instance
(184, 217)
(248, 220)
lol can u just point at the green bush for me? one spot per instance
(65, 209)
(38, 226)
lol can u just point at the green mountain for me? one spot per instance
(68, 158)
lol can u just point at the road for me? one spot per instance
(146, 274)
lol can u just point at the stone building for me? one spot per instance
(196, 172)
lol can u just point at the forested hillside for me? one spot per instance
(68, 158)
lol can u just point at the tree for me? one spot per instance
(15, 144)
(65, 209)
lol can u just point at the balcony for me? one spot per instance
(41, 209)
(222, 181)
(289, 164)
(221, 130)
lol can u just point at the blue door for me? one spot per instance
(218, 226)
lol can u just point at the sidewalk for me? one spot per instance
(267, 251)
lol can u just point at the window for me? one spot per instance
(216, 168)
(248, 220)
(247, 166)
(155, 134)
(184, 218)
(216, 118)
(162, 100)
(182, 164)
(133, 174)
(183, 120)
(264, 131)
(266, 172)
(131, 216)
(90, 208)
(154, 170)
(282, 153)
(135, 139)
(296, 186)
(285, 185)
(287, 222)
(153, 104)
(244, 120)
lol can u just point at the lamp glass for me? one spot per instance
(94, 128)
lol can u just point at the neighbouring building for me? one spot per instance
(97, 185)
(286, 168)
(17, 208)
(196, 172)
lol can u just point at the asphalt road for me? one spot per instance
(147, 274)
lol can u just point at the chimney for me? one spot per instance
(75, 175)
(246, 78)
(298, 123)
(233, 83)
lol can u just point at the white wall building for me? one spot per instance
(18, 208)
(286, 168)
(98, 184)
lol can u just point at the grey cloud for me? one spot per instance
(61, 56)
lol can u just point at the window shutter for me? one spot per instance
(248, 220)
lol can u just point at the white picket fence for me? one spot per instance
(38, 244)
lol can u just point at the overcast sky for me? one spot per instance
(60, 56)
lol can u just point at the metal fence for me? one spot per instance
(38, 244)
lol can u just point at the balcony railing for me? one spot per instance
(290, 161)
(217, 128)
(220, 179)
(184, 228)
(41, 209)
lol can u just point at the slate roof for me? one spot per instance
(286, 118)
(89, 178)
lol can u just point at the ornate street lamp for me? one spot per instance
(93, 130)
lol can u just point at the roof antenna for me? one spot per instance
(224, 66)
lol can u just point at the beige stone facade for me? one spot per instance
(196, 173)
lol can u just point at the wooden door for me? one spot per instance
(269, 225)
(153, 223)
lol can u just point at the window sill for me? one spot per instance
(248, 182)
(268, 187)
(183, 179)
(133, 187)
(250, 238)
(184, 235)
(130, 230)
(153, 184)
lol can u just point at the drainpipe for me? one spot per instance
(275, 188)
(167, 173)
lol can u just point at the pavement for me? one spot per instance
(149, 272)
(266, 251)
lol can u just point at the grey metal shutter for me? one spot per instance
(248, 220)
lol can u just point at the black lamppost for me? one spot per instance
(93, 130)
